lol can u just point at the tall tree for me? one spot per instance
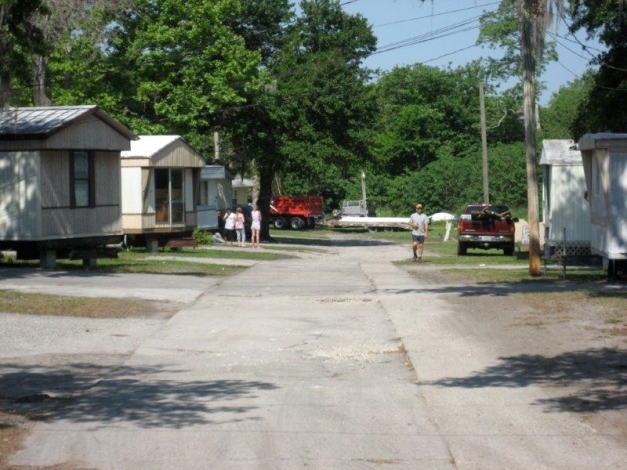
(168, 67)
(560, 116)
(18, 36)
(535, 16)
(606, 105)
(306, 127)
(61, 23)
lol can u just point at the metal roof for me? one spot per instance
(560, 152)
(146, 146)
(589, 141)
(31, 123)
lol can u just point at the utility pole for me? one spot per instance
(216, 145)
(527, 16)
(484, 146)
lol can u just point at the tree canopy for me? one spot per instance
(288, 92)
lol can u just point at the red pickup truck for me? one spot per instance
(486, 226)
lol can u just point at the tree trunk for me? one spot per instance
(5, 87)
(40, 67)
(265, 194)
(5, 74)
(528, 7)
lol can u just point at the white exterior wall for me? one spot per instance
(132, 202)
(605, 164)
(617, 242)
(568, 208)
(20, 197)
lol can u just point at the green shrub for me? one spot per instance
(203, 237)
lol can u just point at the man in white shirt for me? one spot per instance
(420, 225)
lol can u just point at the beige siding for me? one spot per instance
(55, 179)
(89, 133)
(93, 221)
(20, 197)
(178, 155)
(138, 223)
(139, 161)
(107, 178)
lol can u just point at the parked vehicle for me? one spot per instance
(296, 212)
(357, 208)
(486, 226)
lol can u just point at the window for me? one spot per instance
(82, 179)
(169, 198)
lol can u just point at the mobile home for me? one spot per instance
(565, 211)
(160, 189)
(216, 195)
(605, 165)
(60, 181)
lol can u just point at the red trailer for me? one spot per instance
(296, 212)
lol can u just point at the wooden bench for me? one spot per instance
(182, 243)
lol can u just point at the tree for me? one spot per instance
(605, 108)
(18, 36)
(306, 126)
(61, 23)
(413, 127)
(560, 116)
(167, 66)
(501, 29)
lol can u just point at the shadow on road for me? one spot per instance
(598, 375)
(522, 287)
(128, 394)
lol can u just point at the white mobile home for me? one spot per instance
(565, 211)
(242, 191)
(216, 195)
(160, 189)
(59, 180)
(605, 165)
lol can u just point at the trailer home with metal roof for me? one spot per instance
(565, 211)
(60, 181)
(605, 165)
(160, 189)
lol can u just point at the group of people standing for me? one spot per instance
(235, 227)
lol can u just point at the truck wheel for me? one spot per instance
(280, 223)
(296, 223)
(461, 249)
(509, 251)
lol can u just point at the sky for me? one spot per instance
(442, 32)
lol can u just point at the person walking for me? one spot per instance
(229, 226)
(255, 227)
(240, 229)
(420, 229)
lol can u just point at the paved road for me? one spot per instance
(332, 362)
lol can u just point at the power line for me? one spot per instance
(448, 54)
(443, 32)
(433, 15)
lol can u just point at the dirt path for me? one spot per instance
(563, 337)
